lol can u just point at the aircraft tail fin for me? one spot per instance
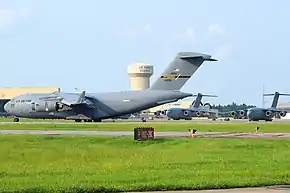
(180, 71)
(197, 102)
(276, 98)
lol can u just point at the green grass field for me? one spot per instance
(60, 164)
(158, 127)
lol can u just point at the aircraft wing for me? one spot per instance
(201, 110)
(274, 110)
(76, 100)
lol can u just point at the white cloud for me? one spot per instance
(216, 29)
(147, 28)
(6, 18)
(134, 32)
(9, 17)
(186, 34)
(224, 52)
(189, 33)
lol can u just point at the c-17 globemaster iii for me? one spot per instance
(98, 106)
(263, 114)
(195, 110)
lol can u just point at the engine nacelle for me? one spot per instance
(269, 113)
(242, 113)
(283, 113)
(163, 112)
(186, 113)
(47, 106)
(198, 114)
(233, 113)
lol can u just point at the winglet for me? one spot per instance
(82, 97)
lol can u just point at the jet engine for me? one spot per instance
(242, 113)
(163, 112)
(197, 113)
(283, 113)
(233, 113)
(186, 113)
(47, 106)
(269, 113)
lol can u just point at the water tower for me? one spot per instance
(139, 74)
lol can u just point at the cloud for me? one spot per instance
(224, 52)
(147, 28)
(186, 34)
(6, 18)
(134, 32)
(10, 17)
(189, 33)
(216, 28)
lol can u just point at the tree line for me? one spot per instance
(232, 107)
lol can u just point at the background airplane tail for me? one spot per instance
(276, 98)
(180, 70)
(197, 102)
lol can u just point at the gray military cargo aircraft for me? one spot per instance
(194, 110)
(266, 114)
(98, 106)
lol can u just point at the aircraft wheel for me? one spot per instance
(16, 119)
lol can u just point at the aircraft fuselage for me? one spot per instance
(259, 114)
(103, 105)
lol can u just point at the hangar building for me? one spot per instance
(7, 93)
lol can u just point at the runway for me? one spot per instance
(157, 134)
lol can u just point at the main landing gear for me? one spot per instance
(88, 120)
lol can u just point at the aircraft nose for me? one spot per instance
(6, 107)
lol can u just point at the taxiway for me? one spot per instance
(157, 134)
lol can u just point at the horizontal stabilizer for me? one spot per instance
(205, 95)
(194, 55)
(281, 94)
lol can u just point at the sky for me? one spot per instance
(89, 44)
